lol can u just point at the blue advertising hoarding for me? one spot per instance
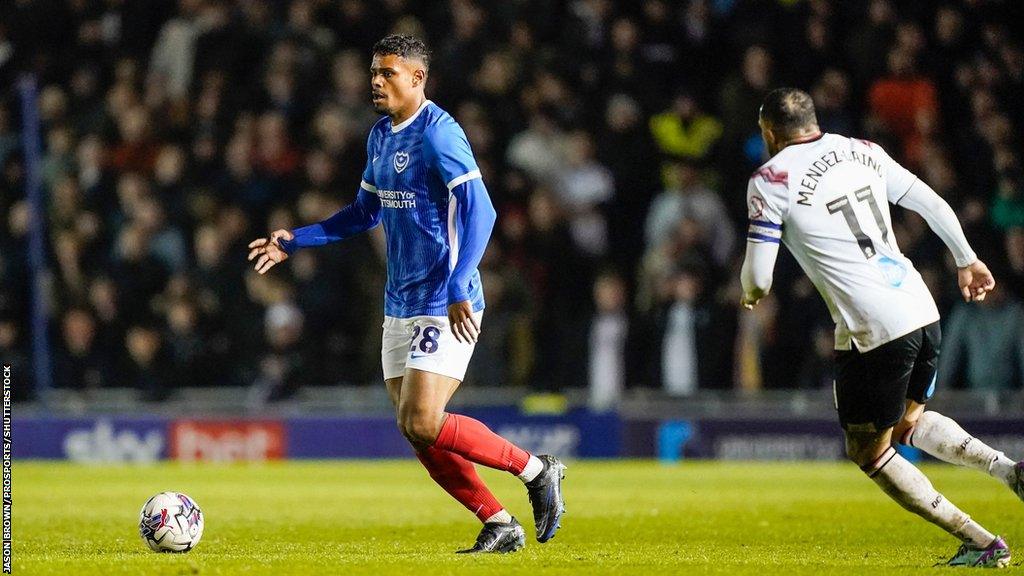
(97, 439)
(576, 434)
(91, 439)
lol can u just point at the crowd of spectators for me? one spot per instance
(615, 138)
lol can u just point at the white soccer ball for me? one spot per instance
(171, 522)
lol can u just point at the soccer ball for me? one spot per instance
(171, 522)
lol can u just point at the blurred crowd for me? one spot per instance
(615, 138)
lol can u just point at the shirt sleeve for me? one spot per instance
(941, 219)
(359, 216)
(471, 217)
(907, 190)
(898, 180)
(767, 205)
(369, 183)
(448, 152)
(758, 268)
(767, 208)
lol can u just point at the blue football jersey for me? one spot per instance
(422, 182)
(412, 168)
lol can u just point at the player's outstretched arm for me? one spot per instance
(269, 250)
(973, 275)
(357, 217)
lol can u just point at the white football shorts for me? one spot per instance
(424, 343)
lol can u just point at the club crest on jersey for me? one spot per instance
(401, 161)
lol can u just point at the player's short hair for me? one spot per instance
(788, 110)
(405, 46)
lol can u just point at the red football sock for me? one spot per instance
(458, 477)
(475, 442)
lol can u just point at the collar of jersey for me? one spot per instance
(399, 127)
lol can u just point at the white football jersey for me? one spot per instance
(827, 200)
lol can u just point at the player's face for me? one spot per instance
(395, 82)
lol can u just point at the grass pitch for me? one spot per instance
(625, 517)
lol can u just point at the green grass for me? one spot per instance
(625, 517)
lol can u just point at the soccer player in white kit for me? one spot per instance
(825, 197)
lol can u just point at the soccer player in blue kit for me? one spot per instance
(422, 182)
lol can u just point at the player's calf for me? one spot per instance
(912, 490)
(459, 478)
(475, 442)
(543, 475)
(944, 439)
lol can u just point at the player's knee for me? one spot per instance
(419, 429)
(401, 428)
(863, 450)
(852, 451)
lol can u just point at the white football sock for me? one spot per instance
(943, 438)
(534, 466)
(501, 516)
(908, 486)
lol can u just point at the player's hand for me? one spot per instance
(269, 251)
(748, 302)
(975, 281)
(462, 322)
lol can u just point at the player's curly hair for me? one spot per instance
(405, 46)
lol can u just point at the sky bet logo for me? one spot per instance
(102, 443)
(227, 440)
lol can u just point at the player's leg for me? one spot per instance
(870, 392)
(424, 422)
(436, 366)
(421, 404)
(941, 436)
(911, 489)
(456, 475)
(944, 439)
